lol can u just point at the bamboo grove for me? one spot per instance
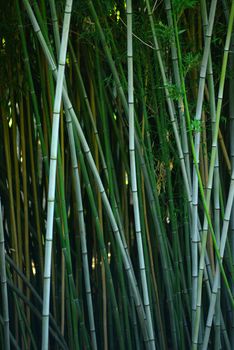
(117, 174)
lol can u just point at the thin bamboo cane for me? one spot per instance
(216, 171)
(82, 229)
(52, 175)
(133, 176)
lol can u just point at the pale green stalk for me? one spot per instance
(134, 177)
(78, 196)
(52, 175)
(195, 235)
(4, 291)
(216, 173)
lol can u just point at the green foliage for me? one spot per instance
(175, 92)
(164, 33)
(196, 125)
(181, 5)
(191, 61)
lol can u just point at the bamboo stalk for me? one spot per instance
(52, 175)
(134, 186)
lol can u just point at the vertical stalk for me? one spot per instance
(195, 236)
(52, 175)
(134, 178)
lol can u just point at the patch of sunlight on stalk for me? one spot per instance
(3, 42)
(126, 179)
(115, 116)
(34, 271)
(109, 253)
(10, 123)
(93, 263)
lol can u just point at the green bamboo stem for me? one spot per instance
(134, 186)
(6, 319)
(151, 166)
(52, 175)
(216, 172)
(82, 229)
